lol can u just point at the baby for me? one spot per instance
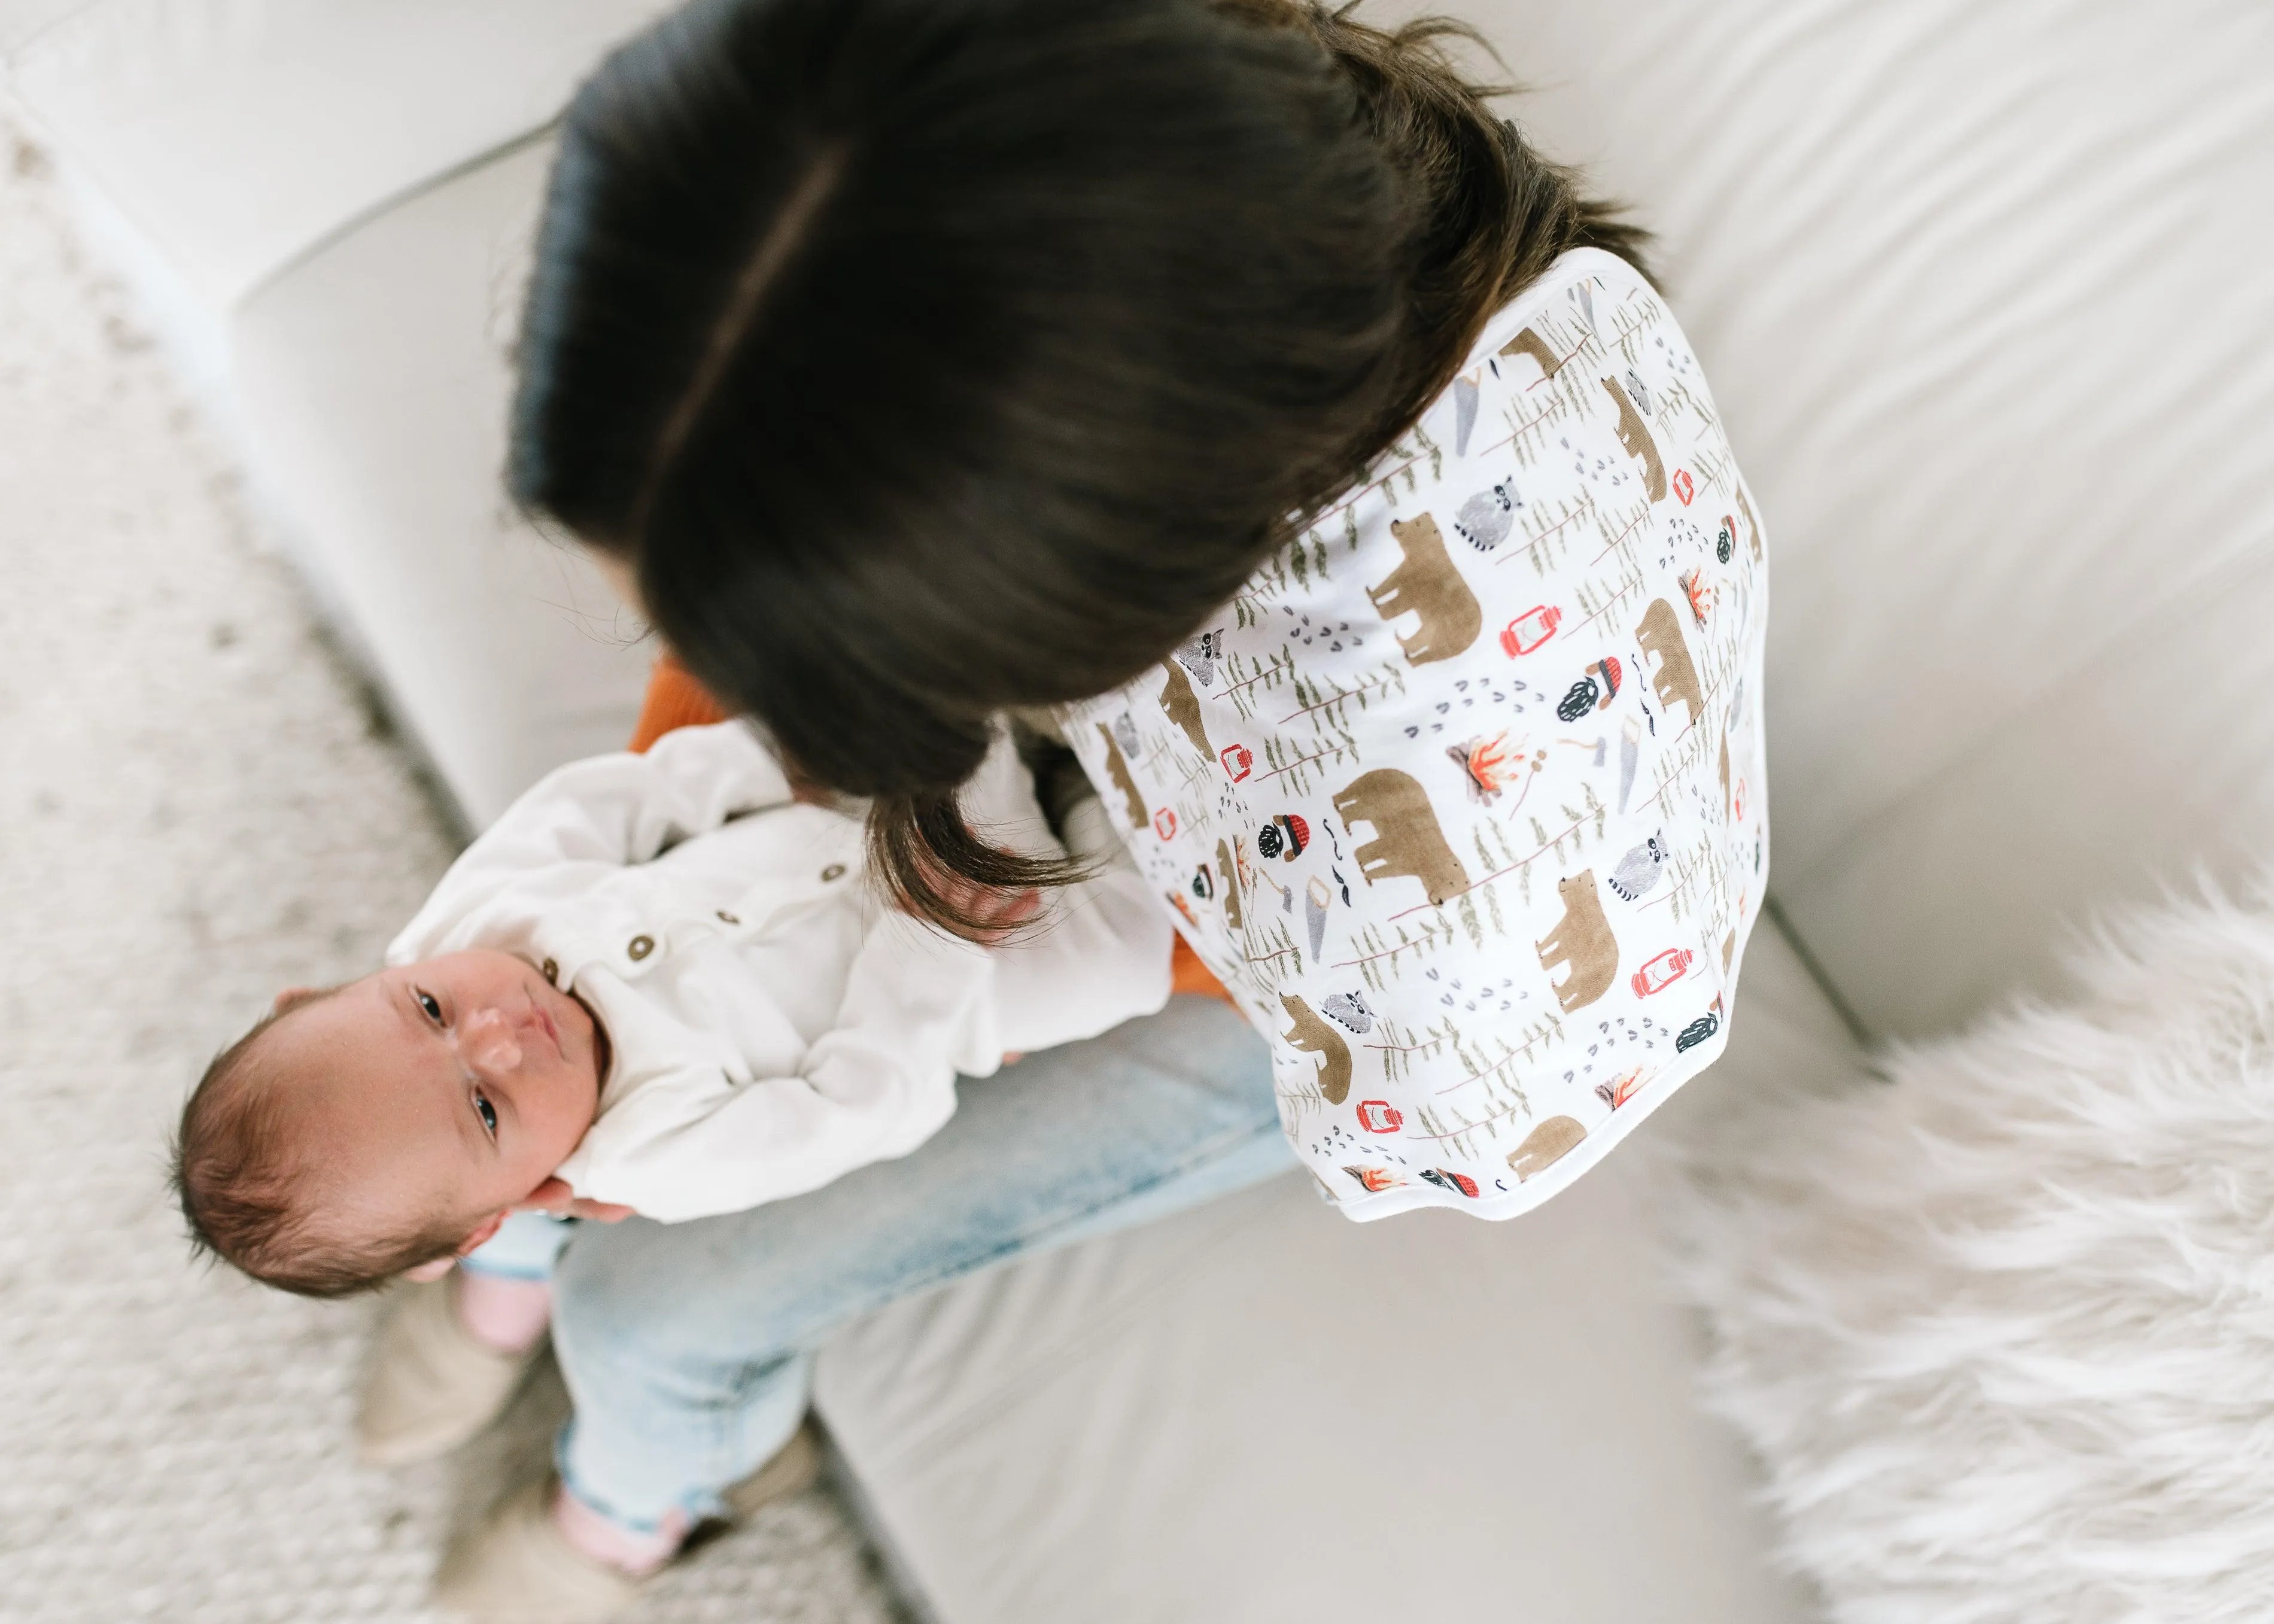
(659, 985)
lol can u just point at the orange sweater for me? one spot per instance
(675, 699)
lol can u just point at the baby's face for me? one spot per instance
(455, 1086)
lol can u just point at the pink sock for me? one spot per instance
(508, 1315)
(610, 1542)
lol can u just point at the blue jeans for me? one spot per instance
(688, 1347)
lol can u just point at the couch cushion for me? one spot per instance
(373, 381)
(1255, 1412)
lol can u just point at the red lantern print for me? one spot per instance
(1238, 760)
(1684, 486)
(1380, 1116)
(1530, 629)
(1164, 824)
(1661, 971)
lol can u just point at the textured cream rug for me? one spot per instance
(196, 807)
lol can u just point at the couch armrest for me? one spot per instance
(235, 135)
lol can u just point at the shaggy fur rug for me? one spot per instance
(2002, 1327)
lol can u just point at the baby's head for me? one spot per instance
(357, 1133)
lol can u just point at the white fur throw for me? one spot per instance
(2002, 1327)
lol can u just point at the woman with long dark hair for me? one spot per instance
(916, 362)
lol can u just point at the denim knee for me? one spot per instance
(627, 1323)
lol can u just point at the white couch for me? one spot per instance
(1983, 288)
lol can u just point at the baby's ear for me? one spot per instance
(291, 996)
(479, 1233)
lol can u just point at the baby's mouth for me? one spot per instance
(551, 1031)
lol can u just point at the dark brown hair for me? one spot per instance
(928, 358)
(245, 1189)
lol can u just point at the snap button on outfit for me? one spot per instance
(835, 871)
(552, 971)
(640, 947)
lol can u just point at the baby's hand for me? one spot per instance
(1002, 911)
(555, 1196)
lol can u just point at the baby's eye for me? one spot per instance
(488, 1114)
(432, 1006)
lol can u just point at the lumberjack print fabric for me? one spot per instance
(1463, 798)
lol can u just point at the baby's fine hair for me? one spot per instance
(247, 1191)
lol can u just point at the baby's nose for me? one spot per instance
(489, 1043)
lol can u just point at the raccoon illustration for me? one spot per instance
(1639, 871)
(1348, 1008)
(1202, 656)
(1484, 519)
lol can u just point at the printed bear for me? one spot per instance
(1676, 678)
(1407, 842)
(1530, 343)
(1117, 768)
(1426, 585)
(1545, 1146)
(1583, 941)
(1316, 1037)
(1231, 892)
(1634, 436)
(1183, 707)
